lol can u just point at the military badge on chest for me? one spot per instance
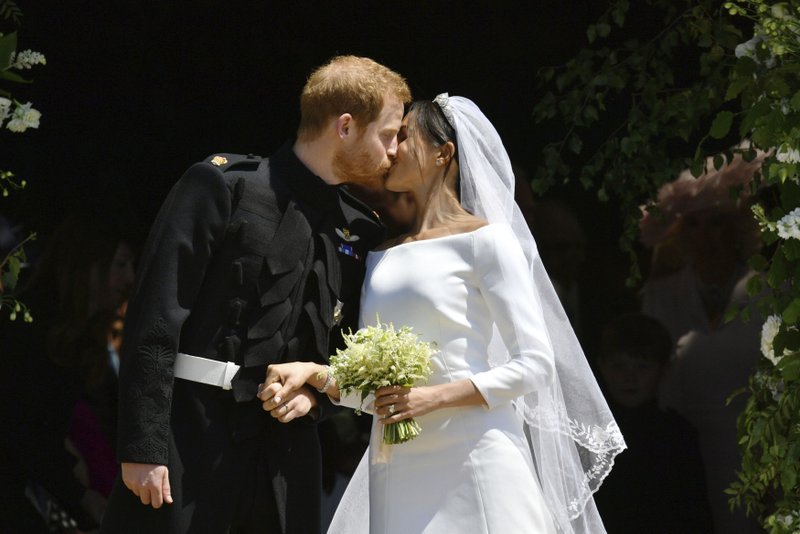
(337, 312)
(346, 246)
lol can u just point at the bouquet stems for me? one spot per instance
(400, 432)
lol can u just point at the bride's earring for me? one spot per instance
(439, 162)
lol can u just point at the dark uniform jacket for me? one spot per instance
(253, 261)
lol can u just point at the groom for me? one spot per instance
(250, 261)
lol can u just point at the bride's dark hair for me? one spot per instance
(427, 117)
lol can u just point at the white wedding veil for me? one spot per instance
(572, 433)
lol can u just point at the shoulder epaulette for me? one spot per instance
(234, 162)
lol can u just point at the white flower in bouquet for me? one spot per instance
(378, 356)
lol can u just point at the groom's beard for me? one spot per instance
(358, 167)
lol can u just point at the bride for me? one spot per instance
(516, 435)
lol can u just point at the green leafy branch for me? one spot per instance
(629, 116)
(16, 117)
(8, 183)
(10, 11)
(776, 24)
(10, 269)
(655, 121)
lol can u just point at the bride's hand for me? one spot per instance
(296, 404)
(284, 378)
(396, 403)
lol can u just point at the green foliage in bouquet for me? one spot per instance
(378, 356)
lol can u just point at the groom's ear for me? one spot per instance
(344, 125)
(447, 150)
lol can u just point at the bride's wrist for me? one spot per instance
(323, 379)
(318, 376)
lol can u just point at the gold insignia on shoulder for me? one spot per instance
(219, 160)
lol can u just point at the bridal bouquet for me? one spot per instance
(377, 356)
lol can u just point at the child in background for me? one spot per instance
(657, 485)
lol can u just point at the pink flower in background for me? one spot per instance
(687, 194)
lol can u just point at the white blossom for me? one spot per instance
(789, 520)
(776, 388)
(787, 154)
(779, 12)
(27, 59)
(777, 393)
(785, 520)
(748, 48)
(789, 225)
(5, 109)
(768, 333)
(764, 380)
(24, 117)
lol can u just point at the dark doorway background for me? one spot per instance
(135, 92)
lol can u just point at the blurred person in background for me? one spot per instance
(701, 237)
(52, 366)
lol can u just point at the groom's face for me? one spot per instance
(368, 158)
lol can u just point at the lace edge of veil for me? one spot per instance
(604, 443)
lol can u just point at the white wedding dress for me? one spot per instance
(470, 471)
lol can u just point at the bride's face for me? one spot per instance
(415, 162)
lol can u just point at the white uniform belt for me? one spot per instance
(205, 370)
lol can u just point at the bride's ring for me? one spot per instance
(391, 409)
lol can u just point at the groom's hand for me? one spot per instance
(149, 482)
(281, 380)
(284, 393)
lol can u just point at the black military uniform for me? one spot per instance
(253, 261)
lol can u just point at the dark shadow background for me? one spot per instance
(135, 92)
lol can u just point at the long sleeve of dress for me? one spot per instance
(505, 282)
(191, 223)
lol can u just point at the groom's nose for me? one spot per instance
(391, 150)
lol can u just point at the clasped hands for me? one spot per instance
(285, 393)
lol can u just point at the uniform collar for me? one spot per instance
(305, 185)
